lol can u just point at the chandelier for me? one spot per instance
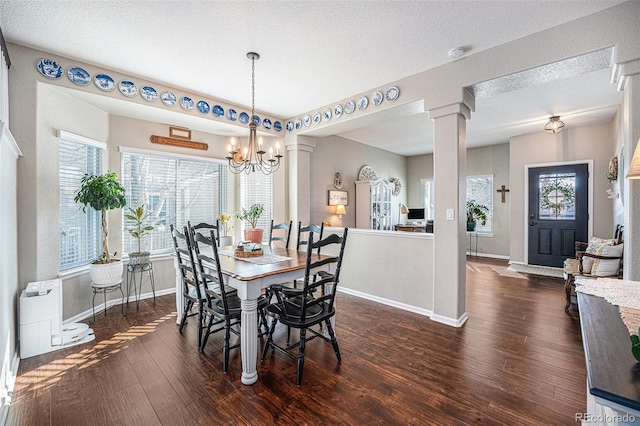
(252, 157)
(554, 125)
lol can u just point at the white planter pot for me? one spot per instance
(226, 241)
(106, 273)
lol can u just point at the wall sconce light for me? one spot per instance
(554, 125)
(340, 210)
(634, 167)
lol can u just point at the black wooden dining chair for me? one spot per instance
(282, 237)
(191, 291)
(222, 310)
(204, 228)
(305, 311)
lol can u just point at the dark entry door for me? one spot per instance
(558, 212)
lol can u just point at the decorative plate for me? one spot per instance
(289, 126)
(203, 107)
(128, 88)
(367, 174)
(79, 76)
(232, 114)
(104, 82)
(363, 103)
(337, 111)
(217, 111)
(298, 124)
(316, 118)
(256, 120)
(266, 123)
(277, 126)
(349, 107)
(307, 121)
(50, 68)
(244, 118)
(392, 94)
(149, 94)
(186, 103)
(168, 98)
(377, 98)
(326, 114)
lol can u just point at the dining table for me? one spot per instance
(249, 276)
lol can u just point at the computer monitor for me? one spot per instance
(415, 214)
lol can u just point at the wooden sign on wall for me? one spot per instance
(179, 142)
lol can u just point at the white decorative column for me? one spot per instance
(299, 149)
(449, 175)
(627, 75)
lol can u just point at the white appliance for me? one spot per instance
(41, 327)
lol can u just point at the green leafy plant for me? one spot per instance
(477, 212)
(137, 218)
(101, 193)
(251, 215)
(635, 345)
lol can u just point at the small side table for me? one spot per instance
(104, 289)
(135, 276)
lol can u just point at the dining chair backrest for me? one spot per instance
(207, 260)
(311, 284)
(304, 231)
(204, 228)
(184, 255)
(283, 238)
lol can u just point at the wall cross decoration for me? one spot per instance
(504, 191)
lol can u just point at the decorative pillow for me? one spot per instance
(594, 247)
(607, 267)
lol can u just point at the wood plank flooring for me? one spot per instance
(517, 360)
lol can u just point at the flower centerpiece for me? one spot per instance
(225, 226)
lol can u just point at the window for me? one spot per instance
(480, 190)
(428, 198)
(256, 188)
(80, 233)
(173, 190)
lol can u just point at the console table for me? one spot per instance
(613, 384)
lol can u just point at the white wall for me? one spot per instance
(335, 154)
(581, 143)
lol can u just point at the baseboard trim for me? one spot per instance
(9, 385)
(450, 321)
(494, 256)
(99, 308)
(388, 302)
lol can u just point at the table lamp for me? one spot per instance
(340, 210)
(634, 167)
(402, 209)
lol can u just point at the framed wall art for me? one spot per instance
(338, 197)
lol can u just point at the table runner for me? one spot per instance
(265, 259)
(624, 294)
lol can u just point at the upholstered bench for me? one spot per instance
(600, 258)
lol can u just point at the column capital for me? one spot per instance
(463, 108)
(299, 143)
(621, 72)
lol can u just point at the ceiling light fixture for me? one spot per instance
(554, 125)
(250, 159)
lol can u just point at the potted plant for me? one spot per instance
(225, 227)
(476, 212)
(103, 193)
(137, 231)
(251, 215)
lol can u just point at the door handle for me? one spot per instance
(531, 223)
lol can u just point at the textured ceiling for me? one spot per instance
(313, 52)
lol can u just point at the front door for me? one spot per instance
(558, 212)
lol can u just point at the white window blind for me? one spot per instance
(173, 190)
(480, 190)
(80, 233)
(257, 188)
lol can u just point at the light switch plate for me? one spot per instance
(450, 214)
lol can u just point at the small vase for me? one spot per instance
(254, 235)
(471, 225)
(226, 241)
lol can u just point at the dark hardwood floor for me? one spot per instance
(517, 360)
